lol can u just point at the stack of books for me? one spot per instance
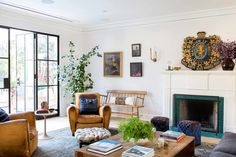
(173, 136)
(104, 146)
(138, 151)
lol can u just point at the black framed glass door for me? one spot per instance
(46, 65)
(28, 70)
(22, 70)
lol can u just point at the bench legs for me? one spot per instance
(137, 112)
(133, 113)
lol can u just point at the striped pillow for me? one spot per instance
(3, 116)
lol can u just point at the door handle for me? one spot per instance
(18, 81)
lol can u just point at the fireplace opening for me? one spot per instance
(204, 109)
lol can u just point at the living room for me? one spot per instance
(158, 29)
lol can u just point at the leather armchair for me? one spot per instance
(77, 120)
(18, 137)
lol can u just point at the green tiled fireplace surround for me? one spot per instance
(176, 102)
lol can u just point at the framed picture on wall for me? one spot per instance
(112, 64)
(136, 69)
(136, 50)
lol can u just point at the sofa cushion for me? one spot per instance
(88, 106)
(112, 100)
(120, 101)
(3, 116)
(220, 154)
(130, 100)
(86, 119)
(227, 144)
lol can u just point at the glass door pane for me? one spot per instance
(47, 62)
(4, 85)
(22, 70)
(4, 70)
(3, 42)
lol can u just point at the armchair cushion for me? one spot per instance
(3, 116)
(89, 119)
(120, 100)
(88, 106)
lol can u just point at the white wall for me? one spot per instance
(166, 38)
(35, 23)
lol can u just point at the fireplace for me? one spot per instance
(208, 110)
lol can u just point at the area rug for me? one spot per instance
(63, 145)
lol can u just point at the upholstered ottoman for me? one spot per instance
(160, 123)
(191, 128)
(87, 136)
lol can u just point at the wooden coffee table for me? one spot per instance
(184, 148)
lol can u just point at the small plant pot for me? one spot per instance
(227, 64)
(142, 142)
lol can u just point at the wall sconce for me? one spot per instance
(154, 58)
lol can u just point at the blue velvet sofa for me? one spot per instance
(226, 147)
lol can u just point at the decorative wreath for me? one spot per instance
(199, 53)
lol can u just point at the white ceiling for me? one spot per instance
(94, 12)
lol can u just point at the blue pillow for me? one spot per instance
(88, 106)
(3, 116)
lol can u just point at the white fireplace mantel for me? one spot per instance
(211, 83)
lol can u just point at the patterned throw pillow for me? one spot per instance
(130, 100)
(88, 106)
(3, 116)
(120, 100)
(112, 100)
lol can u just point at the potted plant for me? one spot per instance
(227, 52)
(73, 72)
(136, 130)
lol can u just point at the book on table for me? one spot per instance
(105, 146)
(173, 136)
(138, 151)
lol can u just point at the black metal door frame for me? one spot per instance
(35, 67)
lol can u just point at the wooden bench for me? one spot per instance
(125, 99)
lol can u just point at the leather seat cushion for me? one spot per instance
(89, 119)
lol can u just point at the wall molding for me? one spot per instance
(76, 26)
(33, 18)
(178, 17)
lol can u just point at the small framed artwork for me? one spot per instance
(112, 64)
(136, 50)
(136, 69)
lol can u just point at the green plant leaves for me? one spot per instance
(73, 73)
(136, 129)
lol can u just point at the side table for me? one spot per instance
(45, 136)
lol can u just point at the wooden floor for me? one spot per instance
(62, 122)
